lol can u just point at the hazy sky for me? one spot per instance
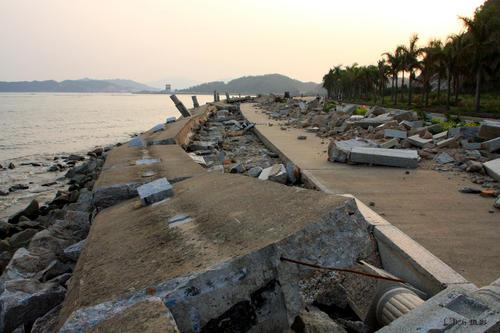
(202, 40)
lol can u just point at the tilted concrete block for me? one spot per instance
(493, 168)
(403, 158)
(155, 191)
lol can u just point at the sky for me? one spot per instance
(192, 41)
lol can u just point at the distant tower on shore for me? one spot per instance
(168, 88)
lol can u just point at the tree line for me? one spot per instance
(467, 62)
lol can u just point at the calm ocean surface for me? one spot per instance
(51, 123)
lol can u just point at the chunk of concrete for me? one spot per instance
(374, 122)
(276, 173)
(157, 128)
(470, 145)
(444, 158)
(489, 129)
(440, 136)
(390, 144)
(155, 191)
(171, 120)
(316, 321)
(491, 145)
(403, 158)
(493, 168)
(450, 142)
(393, 133)
(339, 151)
(137, 142)
(416, 140)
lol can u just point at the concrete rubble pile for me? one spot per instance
(39, 247)
(226, 143)
(398, 138)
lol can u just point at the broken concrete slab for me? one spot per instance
(403, 158)
(137, 142)
(157, 128)
(450, 142)
(155, 191)
(491, 145)
(390, 144)
(170, 120)
(416, 140)
(489, 129)
(339, 151)
(374, 122)
(465, 132)
(393, 133)
(222, 262)
(493, 168)
(440, 136)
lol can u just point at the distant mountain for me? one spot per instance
(83, 85)
(261, 84)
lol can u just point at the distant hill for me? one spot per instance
(261, 84)
(83, 85)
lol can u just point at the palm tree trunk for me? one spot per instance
(457, 87)
(426, 93)
(448, 97)
(439, 89)
(478, 90)
(396, 94)
(409, 89)
(402, 86)
(392, 89)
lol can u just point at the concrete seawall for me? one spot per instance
(208, 258)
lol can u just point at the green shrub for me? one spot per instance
(360, 111)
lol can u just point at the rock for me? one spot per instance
(474, 166)
(444, 158)
(25, 300)
(74, 157)
(53, 168)
(155, 191)
(301, 137)
(84, 202)
(255, 171)
(72, 252)
(493, 169)
(488, 193)
(3, 193)
(18, 187)
(7, 229)
(25, 223)
(11, 166)
(497, 203)
(315, 321)
(417, 141)
(393, 133)
(25, 264)
(452, 142)
(48, 322)
(54, 269)
(470, 190)
(277, 172)
(293, 173)
(236, 168)
(31, 212)
(22, 238)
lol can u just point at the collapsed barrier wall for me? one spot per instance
(400, 256)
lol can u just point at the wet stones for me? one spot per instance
(276, 173)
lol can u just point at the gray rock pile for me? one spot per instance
(226, 143)
(39, 247)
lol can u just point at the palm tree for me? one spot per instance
(329, 83)
(412, 52)
(439, 64)
(453, 56)
(479, 34)
(394, 61)
(403, 66)
(383, 72)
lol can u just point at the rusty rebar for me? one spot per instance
(345, 270)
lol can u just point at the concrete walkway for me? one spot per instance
(425, 204)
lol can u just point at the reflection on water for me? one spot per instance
(47, 123)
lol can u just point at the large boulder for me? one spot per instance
(316, 321)
(31, 212)
(26, 263)
(25, 300)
